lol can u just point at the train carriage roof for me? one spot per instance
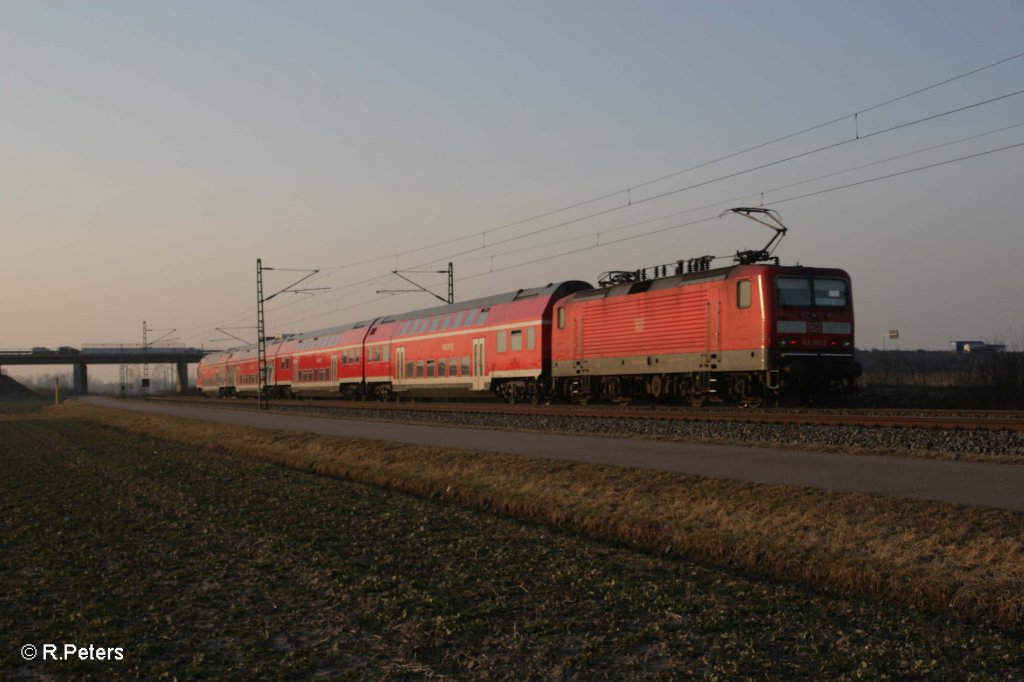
(553, 290)
(654, 284)
(302, 341)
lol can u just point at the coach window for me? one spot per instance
(458, 319)
(409, 369)
(502, 342)
(471, 317)
(561, 318)
(743, 293)
(464, 366)
(442, 368)
(517, 340)
(483, 315)
(531, 340)
(453, 366)
(434, 323)
(430, 368)
(446, 321)
(405, 328)
(419, 368)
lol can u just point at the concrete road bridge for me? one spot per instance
(107, 354)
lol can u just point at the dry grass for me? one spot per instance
(946, 558)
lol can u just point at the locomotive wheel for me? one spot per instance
(654, 387)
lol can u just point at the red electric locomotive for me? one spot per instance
(741, 333)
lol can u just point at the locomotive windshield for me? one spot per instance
(806, 291)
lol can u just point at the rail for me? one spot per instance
(977, 420)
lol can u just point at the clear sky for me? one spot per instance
(151, 152)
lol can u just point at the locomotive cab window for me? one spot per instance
(561, 318)
(743, 293)
(830, 292)
(793, 291)
(804, 291)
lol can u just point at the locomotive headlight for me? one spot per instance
(846, 344)
(782, 343)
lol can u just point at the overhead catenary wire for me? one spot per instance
(702, 220)
(728, 176)
(698, 221)
(628, 191)
(704, 164)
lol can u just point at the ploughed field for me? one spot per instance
(230, 561)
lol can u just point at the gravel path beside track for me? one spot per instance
(971, 483)
(1005, 446)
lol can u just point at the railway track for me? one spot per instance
(976, 420)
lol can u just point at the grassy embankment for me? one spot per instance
(208, 561)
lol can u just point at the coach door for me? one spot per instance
(479, 365)
(399, 364)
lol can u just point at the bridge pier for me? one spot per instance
(81, 379)
(182, 383)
